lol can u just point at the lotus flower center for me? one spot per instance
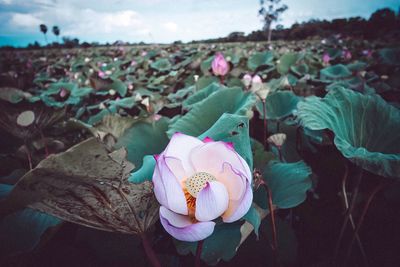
(196, 182)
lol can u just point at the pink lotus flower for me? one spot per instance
(197, 182)
(219, 65)
(326, 58)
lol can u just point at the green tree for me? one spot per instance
(270, 11)
(43, 29)
(56, 32)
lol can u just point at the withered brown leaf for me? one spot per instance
(88, 185)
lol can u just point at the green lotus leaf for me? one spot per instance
(357, 66)
(222, 244)
(13, 95)
(22, 230)
(390, 56)
(119, 86)
(366, 128)
(286, 61)
(205, 113)
(161, 65)
(205, 81)
(144, 138)
(206, 65)
(288, 182)
(260, 59)
(279, 105)
(334, 53)
(201, 95)
(335, 72)
(300, 70)
(145, 173)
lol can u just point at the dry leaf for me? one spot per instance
(88, 185)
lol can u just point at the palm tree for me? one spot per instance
(56, 31)
(43, 29)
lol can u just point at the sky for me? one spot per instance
(159, 21)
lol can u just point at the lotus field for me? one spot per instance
(227, 154)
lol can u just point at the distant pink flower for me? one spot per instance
(102, 74)
(346, 54)
(133, 63)
(368, 53)
(63, 92)
(143, 54)
(247, 80)
(326, 58)
(197, 182)
(219, 65)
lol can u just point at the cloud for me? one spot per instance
(26, 21)
(170, 26)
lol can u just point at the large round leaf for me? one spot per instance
(144, 138)
(205, 113)
(335, 72)
(260, 59)
(278, 105)
(288, 182)
(22, 230)
(286, 61)
(161, 65)
(366, 128)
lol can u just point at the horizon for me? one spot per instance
(158, 21)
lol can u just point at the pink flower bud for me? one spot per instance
(326, 58)
(247, 80)
(219, 65)
(102, 74)
(63, 92)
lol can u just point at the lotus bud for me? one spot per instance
(196, 78)
(63, 92)
(102, 106)
(277, 139)
(112, 92)
(326, 58)
(87, 59)
(247, 80)
(219, 65)
(256, 83)
(102, 74)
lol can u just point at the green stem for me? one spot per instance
(346, 204)
(151, 255)
(198, 253)
(348, 214)
(274, 245)
(361, 220)
(265, 124)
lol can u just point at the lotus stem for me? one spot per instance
(198, 253)
(265, 129)
(274, 244)
(28, 155)
(348, 213)
(280, 153)
(278, 124)
(151, 255)
(46, 149)
(221, 80)
(346, 204)
(361, 220)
